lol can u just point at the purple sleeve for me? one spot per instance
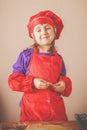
(22, 62)
(63, 69)
(63, 72)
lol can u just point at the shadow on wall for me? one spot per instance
(2, 111)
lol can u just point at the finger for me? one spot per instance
(50, 84)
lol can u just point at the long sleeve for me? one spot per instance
(66, 79)
(68, 83)
(19, 80)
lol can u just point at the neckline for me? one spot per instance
(44, 53)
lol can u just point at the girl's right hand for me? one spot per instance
(40, 84)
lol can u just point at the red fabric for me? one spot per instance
(44, 105)
(68, 88)
(46, 16)
(21, 83)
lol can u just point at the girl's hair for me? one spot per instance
(35, 45)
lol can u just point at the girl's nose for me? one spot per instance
(43, 30)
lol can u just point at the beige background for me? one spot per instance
(72, 45)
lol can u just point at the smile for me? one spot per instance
(45, 37)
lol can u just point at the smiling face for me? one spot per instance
(43, 34)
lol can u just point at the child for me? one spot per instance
(40, 73)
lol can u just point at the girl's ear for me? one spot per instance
(55, 31)
(33, 36)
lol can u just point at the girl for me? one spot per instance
(40, 73)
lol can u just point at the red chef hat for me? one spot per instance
(46, 16)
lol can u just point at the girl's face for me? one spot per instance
(43, 34)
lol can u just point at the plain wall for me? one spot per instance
(72, 45)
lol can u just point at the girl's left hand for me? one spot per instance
(59, 86)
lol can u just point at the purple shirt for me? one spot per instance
(22, 63)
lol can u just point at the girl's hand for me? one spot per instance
(59, 87)
(40, 84)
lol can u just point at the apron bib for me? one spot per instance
(45, 66)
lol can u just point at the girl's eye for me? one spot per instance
(38, 30)
(47, 27)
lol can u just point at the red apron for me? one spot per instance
(44, 105)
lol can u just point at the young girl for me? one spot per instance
(40, 73)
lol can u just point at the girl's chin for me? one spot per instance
(45, 45)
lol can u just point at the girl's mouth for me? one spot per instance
(45, 37)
